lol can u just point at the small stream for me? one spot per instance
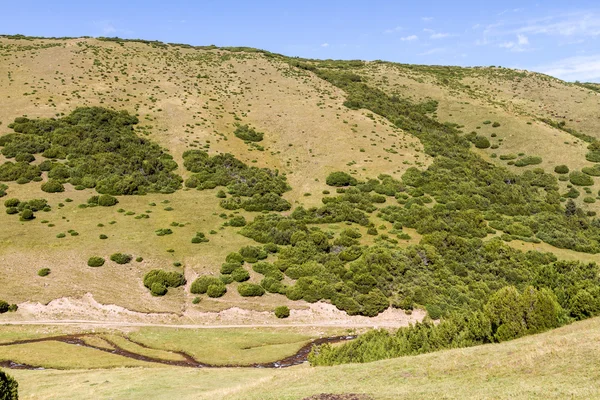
(299, 357)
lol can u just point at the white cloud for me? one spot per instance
(393, 30)
(522, 40)
(439, 35)
(325, 45)
(426, 19)
(507, 45)
(582, 68)
(409, 38)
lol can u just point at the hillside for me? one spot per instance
(152, 188)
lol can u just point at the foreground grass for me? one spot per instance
(559, 364)
(243, 346)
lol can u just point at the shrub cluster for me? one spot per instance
(282, 312)
(248, 134)
(158, 281)
(507, 315)
(121, 258)
(96, 261)
(252, 188)
(102, 150)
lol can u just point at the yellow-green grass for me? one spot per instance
(186, 99)
(122, 342)
(239, 346)
(231, 346)
(554, 365)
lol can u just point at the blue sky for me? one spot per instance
(555, 37)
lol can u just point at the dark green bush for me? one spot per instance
(216, 290)
(9, 388)
(44, 272)
(246, 133)
(250, 289)
(252, 254)
(106, 200)
(340, 179)
(528, 160)
(200, 238)
(27, 215)
(158, 281)
(481, 142)
(11, 202)
(201, 284)
(282, 312)
(561, 169)
(53, 186)
(580, 179)
(240, 275)
(121, 258)
(95, 261)
(237, 221)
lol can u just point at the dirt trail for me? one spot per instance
(125, 324)
(86, 311)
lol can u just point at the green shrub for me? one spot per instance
(201, 284)
(228, 267)
(44, 272)
(529, 160)
(196, 300)
(240, 275)
(12, 210)
(53, 186)
(11, 202)
(158, 281)
(495, 124)
(252, 254)
(95, 261)
(282, 312)
(121, 258)
(106, 200)
(237, 221)
(216, 290)
(592, 171)
(103, 236)
(158, 289)
(9, 388)
(250, 289)
(589, 199)
(481, 142)
(199, 238)
(580, 179)
(163, 232)
(246, 133)
(27, 215)
(561, 169)
(340, 179)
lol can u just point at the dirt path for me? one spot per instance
(86, 311)
(125, 324)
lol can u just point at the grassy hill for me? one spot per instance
(355, 193)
